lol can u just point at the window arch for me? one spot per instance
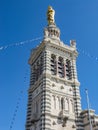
(68, 70)
(62, 103)
(60, 67)
(41, 65)
(37, 69)
(53, 64)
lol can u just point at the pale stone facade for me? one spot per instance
(94, 120)
(54, 101)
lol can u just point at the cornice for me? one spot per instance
(61, 46)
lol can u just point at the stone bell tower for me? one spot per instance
(53, 96)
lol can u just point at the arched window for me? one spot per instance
(66, 104)
(60, 67)
(53, 64)
(37, 70)
(62, 103)
(41, 65)
(68, 70)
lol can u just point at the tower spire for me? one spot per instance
(51, 32)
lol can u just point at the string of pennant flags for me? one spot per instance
(39, 38)
(87, 54)
(19, 43)
(18, 101)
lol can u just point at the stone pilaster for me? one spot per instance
(56, 65)
(64, 68)
(46, 63)
(45, 97)
(74, 70)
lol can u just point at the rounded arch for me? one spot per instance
(60, 66)
(53, 64)
(68, 69)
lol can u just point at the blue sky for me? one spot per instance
(22, 20)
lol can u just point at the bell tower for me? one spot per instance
(53, 96)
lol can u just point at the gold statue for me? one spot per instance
(50, 15)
